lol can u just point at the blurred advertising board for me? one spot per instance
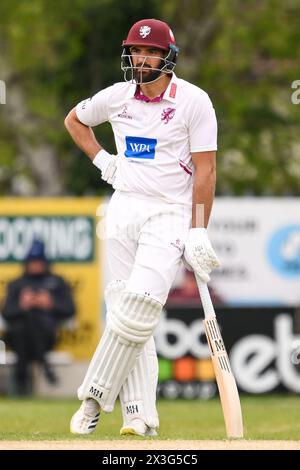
(68, 228)
(263, 348)
(258, 242)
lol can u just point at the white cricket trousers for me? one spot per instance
(144, 242)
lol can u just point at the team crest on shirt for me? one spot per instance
(167, 115)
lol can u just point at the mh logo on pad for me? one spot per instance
(140, 147)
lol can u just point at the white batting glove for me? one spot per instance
(107, 163)
(199, 255)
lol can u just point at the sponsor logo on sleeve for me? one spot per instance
(140, 147)
(85, 102)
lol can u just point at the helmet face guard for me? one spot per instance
(134, 75)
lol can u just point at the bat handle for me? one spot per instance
(207, 305)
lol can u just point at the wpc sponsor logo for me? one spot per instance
(67, 239)
(2, 92)
(140, 147)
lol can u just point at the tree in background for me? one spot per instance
(53, 54)
(244, 53)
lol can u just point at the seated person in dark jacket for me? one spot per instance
(36, 303)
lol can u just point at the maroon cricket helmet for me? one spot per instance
(151, 33)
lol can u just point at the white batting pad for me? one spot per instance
(134, 317)
(130, 324)
(138, 393)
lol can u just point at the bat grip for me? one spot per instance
(207, 305)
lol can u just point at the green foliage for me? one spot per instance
(63, 52)
(246, 58)
(244, 53)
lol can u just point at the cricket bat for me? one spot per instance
(228, 392)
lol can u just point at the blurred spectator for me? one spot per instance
(35, 305)
(188, 293)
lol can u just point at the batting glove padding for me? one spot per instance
(107, 163)
(199, 255)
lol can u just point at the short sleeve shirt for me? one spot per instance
(155, 140)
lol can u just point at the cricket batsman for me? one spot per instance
(164, 177)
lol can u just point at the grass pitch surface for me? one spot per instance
(265, 418)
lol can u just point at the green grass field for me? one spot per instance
(265, 418)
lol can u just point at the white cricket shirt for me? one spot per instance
(154, 140)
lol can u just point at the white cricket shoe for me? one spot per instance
(85, 420)
(137, 427)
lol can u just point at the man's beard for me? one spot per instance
(141, 77)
